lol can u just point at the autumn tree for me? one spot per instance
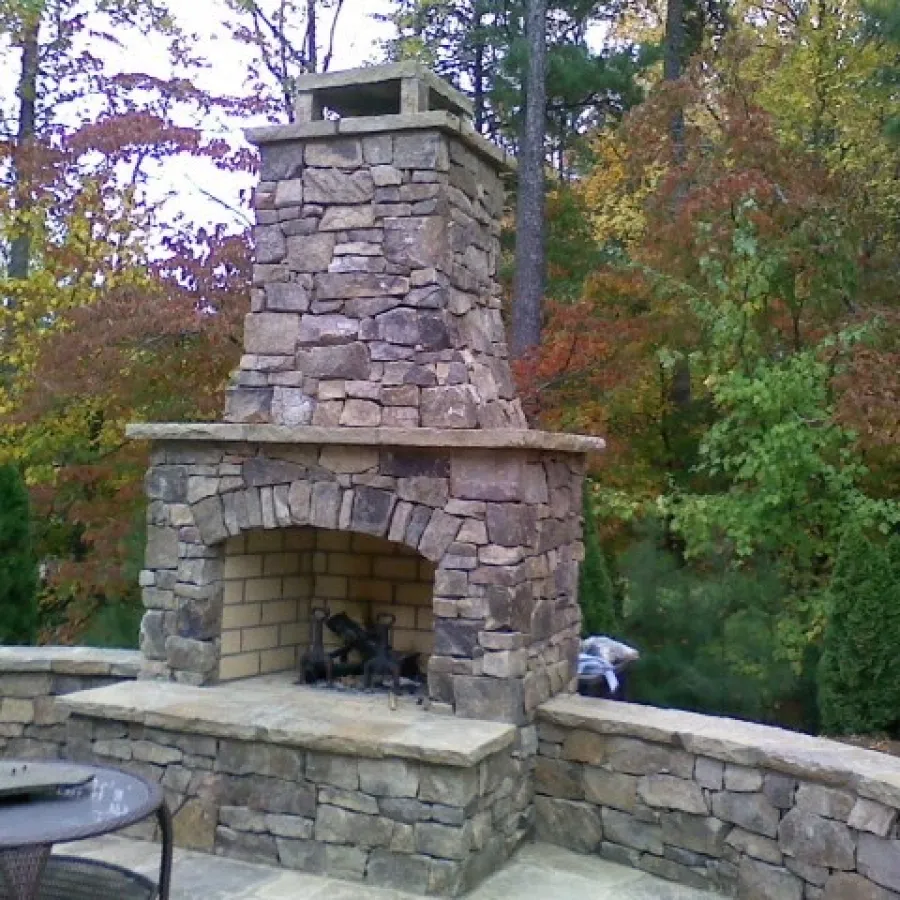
(108, 308)
(743, 248)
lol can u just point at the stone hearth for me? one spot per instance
(374, 457)
(323, 782)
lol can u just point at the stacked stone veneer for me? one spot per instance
(272, 580)
(500, 527)
(32, 679)
(393, 822)
(375, 301)
(751, 811)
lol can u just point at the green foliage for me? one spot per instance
(789, 473)
(115, 625)
(572, 251)
(859, 690)
(777, 478)
(18, 571)
(116, 619)
(707, 639)
(596, 591)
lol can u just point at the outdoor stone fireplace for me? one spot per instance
(374, 457)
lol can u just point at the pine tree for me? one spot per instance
(18, 573)
(859, 691)
(595, 590)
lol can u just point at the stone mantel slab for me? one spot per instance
(871, 774)
(70, 661)
(274, 710)
(439, 438)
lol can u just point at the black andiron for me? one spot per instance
(379, 661)
(316, 663)
(384, 663)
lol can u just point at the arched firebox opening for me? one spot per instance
(371, 597)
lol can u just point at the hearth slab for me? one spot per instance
(274, 710)
(485, 438)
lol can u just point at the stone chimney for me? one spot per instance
(375, 300)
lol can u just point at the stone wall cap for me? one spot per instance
(278, 712)
(495, 439)
(361, 125)
(871, 774)
(70, 661)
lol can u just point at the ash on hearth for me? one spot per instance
(365, 660)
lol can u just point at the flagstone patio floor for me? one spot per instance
(537, 872)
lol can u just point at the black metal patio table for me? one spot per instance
(109, 801)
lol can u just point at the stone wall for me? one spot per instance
(32, 723)
(400, 823)
(502, 528)
(754, 812)
(272, 580)
(375, 300)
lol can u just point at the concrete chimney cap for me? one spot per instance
(392, 89)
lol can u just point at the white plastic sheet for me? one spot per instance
(601, 655)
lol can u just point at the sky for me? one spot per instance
(189, 182)
(358, 35)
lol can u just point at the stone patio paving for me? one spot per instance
(538, 872)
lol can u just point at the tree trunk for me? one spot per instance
(674, 40)
(26, 90)
(478, 83)
(312, 40)
(681, 387)
(528, 287)
(672, 69)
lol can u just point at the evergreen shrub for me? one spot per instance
(596, 592)
(859, 685)
(18, 569)
(707, 638)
